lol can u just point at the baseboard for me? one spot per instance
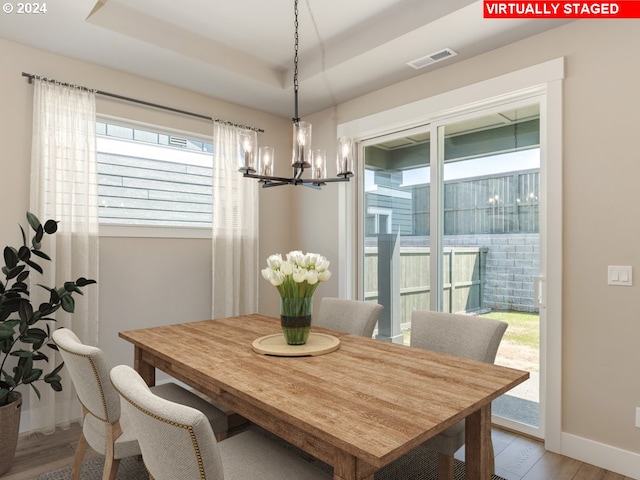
(601, 455)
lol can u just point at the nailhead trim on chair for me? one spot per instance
(95, 373)
(194, 440)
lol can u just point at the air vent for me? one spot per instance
(178, 142)
(432, 58)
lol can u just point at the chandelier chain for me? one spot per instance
(296, 118)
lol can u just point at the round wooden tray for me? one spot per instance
(317, 344)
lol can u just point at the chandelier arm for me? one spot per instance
(267, 178)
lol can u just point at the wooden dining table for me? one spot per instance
(357, 408)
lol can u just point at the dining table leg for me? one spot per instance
(146, 370)
(348, 467)
(479, 459)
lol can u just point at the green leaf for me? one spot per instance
(51, 227)
(83, 282)
(14, 272)
(35, 318)
(10, 257)
(54, 298)
(23, 276)
(20, 287)
(25, 311)
(34, 265)
(37, 336)
(24, 326)
(33, 221)
(11, 323)
(24, 236)
(57, 369)
(33, 376)
(5, 331)
(37, 238)
(50, 377)
(22, 353)
(68, 303)
(41, 254)
(24, 253)
(46, 309)
(57, 386)
(17, 374)
(9, 381)
(71, 287)
(35, 389)
(14, 396)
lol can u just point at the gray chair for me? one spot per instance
(177, 442)
(104, 428)
(467, 336)
(348, 316)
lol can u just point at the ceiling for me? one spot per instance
(242, 51)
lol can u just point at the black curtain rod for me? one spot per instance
(31, 76)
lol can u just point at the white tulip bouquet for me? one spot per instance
(296, 277)
(298, 274)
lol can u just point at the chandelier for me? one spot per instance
(303, 156)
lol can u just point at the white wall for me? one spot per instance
(601, 211)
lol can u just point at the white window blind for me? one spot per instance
(148, 177)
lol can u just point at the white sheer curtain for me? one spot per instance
(64, 187)
(235, 229)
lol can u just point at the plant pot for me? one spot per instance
(295, 319)
(9, 426)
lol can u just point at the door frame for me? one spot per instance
(544, 80)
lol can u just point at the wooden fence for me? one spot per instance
(464, 278)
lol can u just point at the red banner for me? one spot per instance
(544, 9)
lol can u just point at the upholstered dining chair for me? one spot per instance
(348, 316)
(104, 428)
(467, 336)
(177, 441)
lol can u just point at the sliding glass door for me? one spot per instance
(450, 222)
(490, 236)
(396, 229)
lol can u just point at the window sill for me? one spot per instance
(148, 231)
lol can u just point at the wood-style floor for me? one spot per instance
(517, 458)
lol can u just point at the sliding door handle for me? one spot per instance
(539, 284)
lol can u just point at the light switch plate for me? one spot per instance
(620, 275)
(638, 417)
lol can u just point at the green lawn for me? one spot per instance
(523, 327)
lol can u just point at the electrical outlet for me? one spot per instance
(638, 417)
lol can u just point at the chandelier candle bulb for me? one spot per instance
(319, 167)
(345, 156)
(302, 144)
(246, 141)
(265, 161)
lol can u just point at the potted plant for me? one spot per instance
(25, 330)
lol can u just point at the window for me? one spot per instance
(148, 177)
